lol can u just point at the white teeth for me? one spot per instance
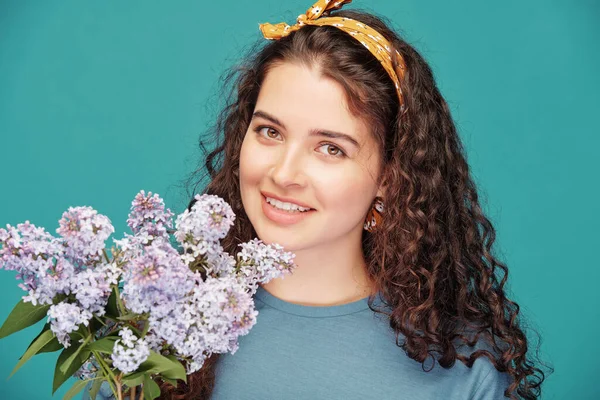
(286, 206)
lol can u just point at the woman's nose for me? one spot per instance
(287, 168)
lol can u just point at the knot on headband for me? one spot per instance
(379, 46)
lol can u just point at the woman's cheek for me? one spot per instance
(255, 158)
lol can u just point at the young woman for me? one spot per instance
(337, 144)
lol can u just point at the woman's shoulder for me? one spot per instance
(487, 381)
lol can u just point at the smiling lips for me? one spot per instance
(280, 201)
(282, 216)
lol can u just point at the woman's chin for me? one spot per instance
(289, 244)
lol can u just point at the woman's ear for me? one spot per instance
(381, 190)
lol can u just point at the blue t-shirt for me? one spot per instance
(339, 352)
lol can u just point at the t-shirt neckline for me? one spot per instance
(311, 311)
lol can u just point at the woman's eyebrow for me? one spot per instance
(335, 135)
(314, 132)
(269, 117)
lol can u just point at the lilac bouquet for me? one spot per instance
(142, 310)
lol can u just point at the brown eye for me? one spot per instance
(332, 151)
(272, 133)
(267, 131)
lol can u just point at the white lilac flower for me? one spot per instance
(53, 278)
(132, 246)
(156, 280)
(92, 287)
(129, 351)
(210, 320)
(209, 219)
(199, 230)
(65, 318)
(148, 214)
(21, 244)
(35, 255)
(84, 232)
(220, 263)
(261, 262)
(154, 342)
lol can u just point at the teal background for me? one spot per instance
(101, 99)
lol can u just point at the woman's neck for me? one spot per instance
(324, 276)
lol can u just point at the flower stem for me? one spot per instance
(120, 304)
(106, 371)
(132, 393)
(105, 255)
(146, 328)
(119, 388)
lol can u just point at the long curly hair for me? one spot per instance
(431, 257)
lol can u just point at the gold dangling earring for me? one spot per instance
(374, 216)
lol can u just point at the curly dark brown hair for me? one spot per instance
(431, 258)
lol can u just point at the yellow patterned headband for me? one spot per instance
(368, 36)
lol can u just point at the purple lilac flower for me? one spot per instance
(65, 318)
(132, 246)
(200, 229)
(53, 278)
(190, 315)
(32, 252)
(219, 263)
(261, 262)
(148, 214)
(129, 351)
(84, 232)
(92, 287)
(154, 342)
(156, 280)
(26, 239)
(210, 320)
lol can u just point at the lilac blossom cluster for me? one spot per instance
(259, 262)
(31, 252)
(210, 320)
(67, 266)
(199, 230)
(148, 215)
(84, 232)
(182, 311)
(129, 351)
(156, 280)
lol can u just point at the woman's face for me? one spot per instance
(303, 146)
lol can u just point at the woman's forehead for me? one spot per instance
(300, 96)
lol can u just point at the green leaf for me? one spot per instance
(128, 317)
(167, 367)
(23, 315)
(95, 388)
(53, 345)
(59, 376)
(171, 381)
(151, 388)
(95, 324)
(44, 339)
(76, 388)
(134, 379)
(104, 345)
(177, 372)
(78, 349)
(112, 309)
